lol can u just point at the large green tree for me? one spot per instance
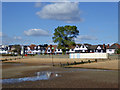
(64, 36)
(17, 48)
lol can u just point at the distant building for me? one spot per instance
(111, 49)
(35, 49)
(51, 49)
(97, 49)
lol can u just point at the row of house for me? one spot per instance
(79, 48)
(85, 48)
(53, 49)
(25, 49)
(5, 49)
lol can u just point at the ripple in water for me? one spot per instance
(39, 76)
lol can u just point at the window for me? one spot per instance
(83, 46)
(99, 50)
(67, 49)
(77, 46)
(48, 50)
(77, 51)
(72, 49)
(110, 50)
(58, 49)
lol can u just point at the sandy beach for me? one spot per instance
(69, 77)
(101, 64)
(109, 64)
(34, 60)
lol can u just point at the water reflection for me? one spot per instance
(46, 75)
(39, 76)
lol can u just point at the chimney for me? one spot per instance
(108, 46)
(103, 46)
(51, 46)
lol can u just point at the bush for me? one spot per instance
(118, 51)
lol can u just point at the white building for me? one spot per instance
(4, 49)
(83, 48)
(110, 51)
(58, 51)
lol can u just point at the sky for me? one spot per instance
(35, 22)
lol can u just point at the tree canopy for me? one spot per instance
(17, 48)
(118, 51)
(64, 36)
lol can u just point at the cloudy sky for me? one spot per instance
(29, 22)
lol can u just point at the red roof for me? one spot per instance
(32, 46)
(51, 46)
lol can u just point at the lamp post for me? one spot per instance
(52, 56)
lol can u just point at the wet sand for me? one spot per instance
(109, 64)
(46, 60)
(72, 79)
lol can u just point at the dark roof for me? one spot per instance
(92, 47)
(78, 45)
(86, 44)
(114, 46)
(95, 46)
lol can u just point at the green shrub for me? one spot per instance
(118, 51)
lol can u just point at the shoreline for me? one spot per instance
(94, 68)
(100, 64)
(70, 77)
(108, 65)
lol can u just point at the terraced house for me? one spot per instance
(53, 49)
(35, 49)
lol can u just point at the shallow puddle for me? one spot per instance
(46, 75)
(39, 76)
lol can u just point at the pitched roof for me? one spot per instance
(92, 47)
(32, 46)
(86, 44)
(95, 46)
(114, 46)
(78, 45)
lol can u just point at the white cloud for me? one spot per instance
(64, 11)
(2, 35)
(17, 38)
(85, 37)
(36, 32)
(5, 39)
(38, 4)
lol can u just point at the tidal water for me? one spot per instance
(38, 76)
(47, 75)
